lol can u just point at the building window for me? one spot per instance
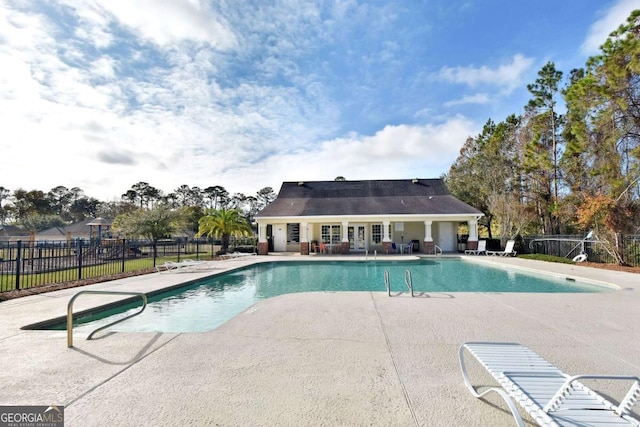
(376, 233)
(293, 233)
(330, 234)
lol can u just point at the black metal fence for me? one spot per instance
(571, 246)
(28, 264)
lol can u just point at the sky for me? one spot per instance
(102, 95)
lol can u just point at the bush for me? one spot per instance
(245, 249)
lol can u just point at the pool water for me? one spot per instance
(210, 302)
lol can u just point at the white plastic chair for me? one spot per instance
(482, 249)
(508, 250)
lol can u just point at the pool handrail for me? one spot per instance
(386, 282)
(70, 312)
(408, 281)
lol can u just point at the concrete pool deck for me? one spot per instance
(352, 358)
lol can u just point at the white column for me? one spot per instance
(345, 231)
(427, 231)
(473, 230)
(385, 231)
(303, 232)
(262, 232)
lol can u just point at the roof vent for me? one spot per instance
(415, 180)
(300, 183)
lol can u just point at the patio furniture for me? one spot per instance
(508, 250)
(178, 265)
(236, 254)
(482, 249)
(408, 247)
(549, 396)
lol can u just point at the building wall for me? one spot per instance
(411, 231)
(443, 234)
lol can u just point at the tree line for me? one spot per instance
(565, 167)
(36, 210)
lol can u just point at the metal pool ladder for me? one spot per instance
(70, 312)
(407, 279)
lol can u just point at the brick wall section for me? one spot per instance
(472, 245)
(386, 247)
(263, 248)
(428, 247)
(304, 248)
(344, 247)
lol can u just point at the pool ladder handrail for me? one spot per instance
(386, 282)
(437, 250)
(408, 281)
(70, 312)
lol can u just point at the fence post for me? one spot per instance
(124, 252)
(155, 251)
(79, 250)
(18, 256)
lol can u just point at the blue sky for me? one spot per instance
(248, 94)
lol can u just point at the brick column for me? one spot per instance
(428, 247)
(472, 245)
(263, 248)
(304, 248)
(386, 247)
(344, 248)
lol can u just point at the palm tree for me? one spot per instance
(222, 224)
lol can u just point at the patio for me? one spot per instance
(315, 358)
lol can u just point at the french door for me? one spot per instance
(357, 238)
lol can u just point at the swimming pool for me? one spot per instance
(210, 302)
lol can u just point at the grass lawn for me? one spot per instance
(7, 281)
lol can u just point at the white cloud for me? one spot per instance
(394, 152)
(610, 21)
(104, 68)
(508, 76)
(284, 91)
(161, 22)
(478, 98)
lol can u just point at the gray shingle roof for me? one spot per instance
(76, 229)
(379, 197)
(12, 231)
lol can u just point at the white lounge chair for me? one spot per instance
(236, 254)
(177, 265)
(508, 250)
(549, 396)
(482, 249)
